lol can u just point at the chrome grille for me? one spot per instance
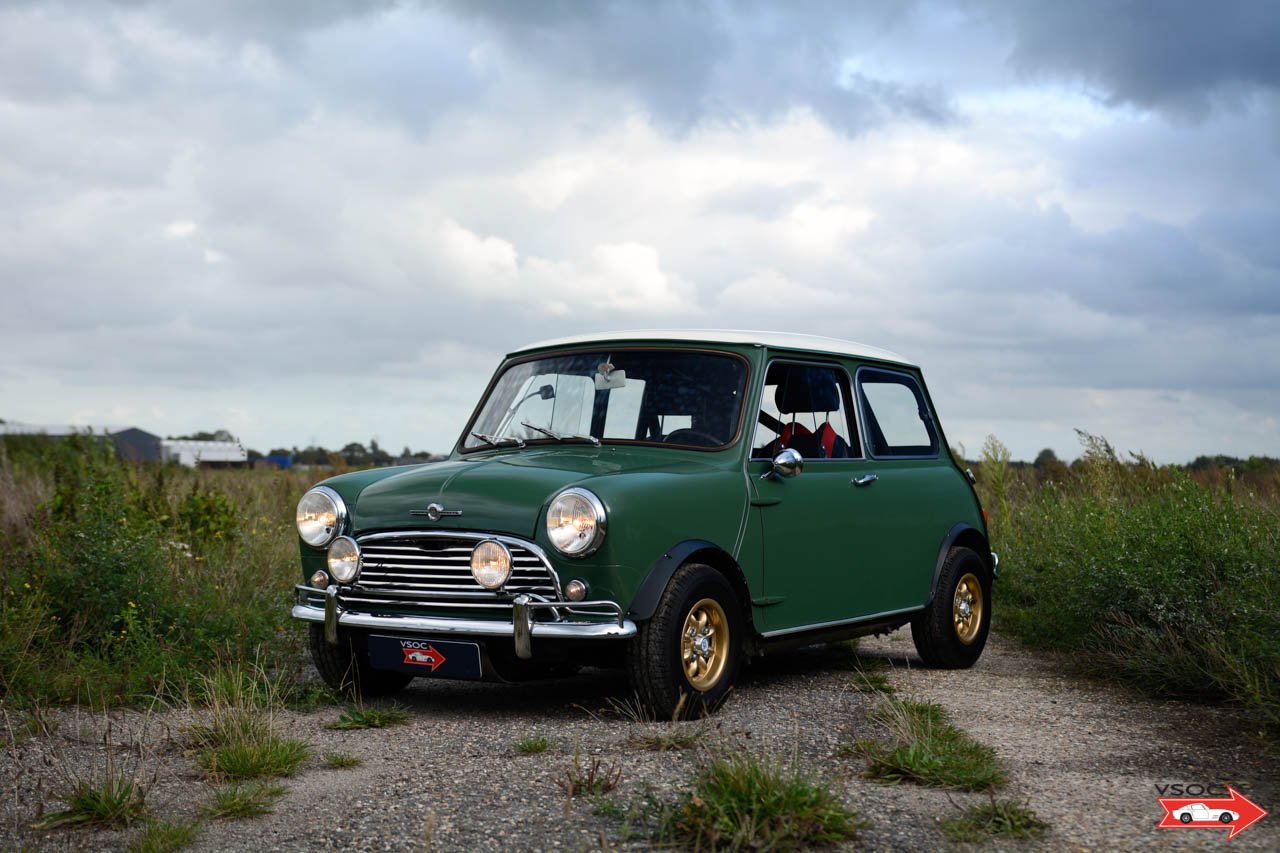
(425, 571)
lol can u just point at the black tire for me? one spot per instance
(1225, 817)
(1186, 818)
(346, 669)
(654, 665)
(935, 632)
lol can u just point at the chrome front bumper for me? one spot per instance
(522, 629)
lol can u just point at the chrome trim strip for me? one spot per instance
(872, 617)
(622, 629)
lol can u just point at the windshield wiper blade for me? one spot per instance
(595, 442)
(498, 440)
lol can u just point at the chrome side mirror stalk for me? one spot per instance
(787, 464)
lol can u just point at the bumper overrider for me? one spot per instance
(322, 605)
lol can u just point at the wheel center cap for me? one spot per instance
(702, 645)
(965, 610)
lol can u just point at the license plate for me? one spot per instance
(425, 657)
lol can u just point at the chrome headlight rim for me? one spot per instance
(601, 519)
(359, 560)
(339, 515)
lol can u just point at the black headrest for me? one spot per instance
(808, 389)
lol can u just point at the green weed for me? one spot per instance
(371, 717)
(871, 682)
(341, 760)
(924, 747)
(244, 800)
(998, 819)
(740, 802)
(532, 745)
(267, 757)
(114, 801)
(162, 836)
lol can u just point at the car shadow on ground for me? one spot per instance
(604, 692)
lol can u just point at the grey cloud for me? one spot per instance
(1180, 56)
(686, 62)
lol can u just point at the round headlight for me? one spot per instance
(344, 559)
(491, 564)
(321, 514)
(576, 522)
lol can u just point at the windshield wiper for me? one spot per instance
(498, 440)
(595, 442)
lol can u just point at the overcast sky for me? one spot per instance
(324, 221)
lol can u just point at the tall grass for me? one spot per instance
(123, 580)
(1143, 572)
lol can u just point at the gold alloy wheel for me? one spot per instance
(966, 608)
(704, 644)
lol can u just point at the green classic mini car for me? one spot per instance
(671, 502)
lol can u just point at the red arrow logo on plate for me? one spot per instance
(1199, 813)
(424, 657)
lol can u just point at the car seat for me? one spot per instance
(809, 390)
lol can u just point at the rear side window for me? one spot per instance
(897, 418)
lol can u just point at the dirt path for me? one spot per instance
(1085, 755)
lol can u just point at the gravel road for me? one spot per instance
(1085, 755)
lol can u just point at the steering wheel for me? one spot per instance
(692, 436)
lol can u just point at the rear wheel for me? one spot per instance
(952, 630)
(346, 669)
(692, 646)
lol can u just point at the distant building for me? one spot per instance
(136, 445)
(204, 454)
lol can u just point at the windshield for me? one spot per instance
(675, 397)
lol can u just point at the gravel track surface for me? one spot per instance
(1085, 755)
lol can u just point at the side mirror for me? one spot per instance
(787, 464)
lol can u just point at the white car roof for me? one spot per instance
(773, 340)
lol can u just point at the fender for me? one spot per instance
(973, 537)
(647, 596)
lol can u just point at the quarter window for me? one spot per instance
(805, 407)
(897, 418)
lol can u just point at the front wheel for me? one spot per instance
(1225, 817)
(691, 648)
(346, 669)
(952, 630)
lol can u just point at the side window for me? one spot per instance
(807, 408)
(897, 418)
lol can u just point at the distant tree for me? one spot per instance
(355, 454)
(216, 435)
(254, 455)
(377, 455)
(280, 451)
(1049, 468)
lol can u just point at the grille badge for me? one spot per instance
(435, 512)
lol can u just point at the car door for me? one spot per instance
(913, 500)
(809, 534)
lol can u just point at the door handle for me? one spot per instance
(865, 479)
